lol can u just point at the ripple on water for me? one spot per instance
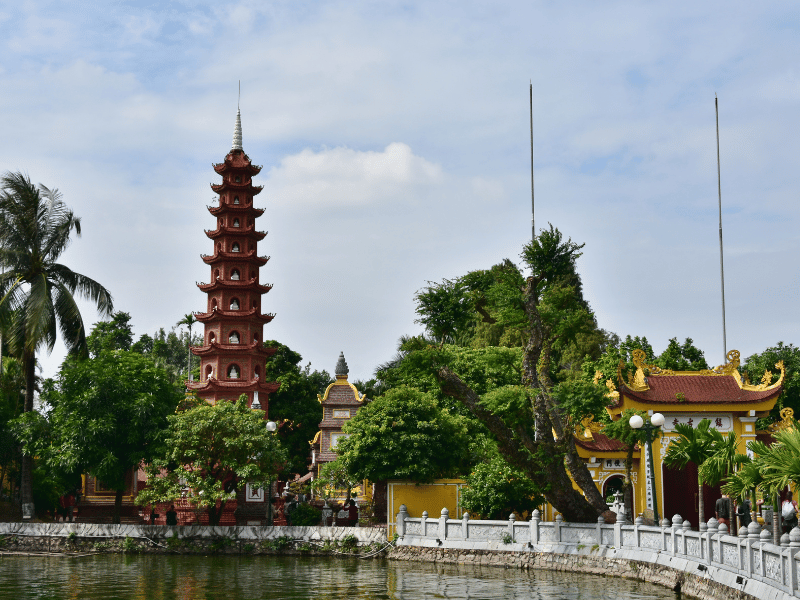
(151, 577)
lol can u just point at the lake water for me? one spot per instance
(154, 577)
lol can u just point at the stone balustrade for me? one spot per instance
(748, 562)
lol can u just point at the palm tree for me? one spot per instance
(188, 320)
(37, 293)
(694, 445)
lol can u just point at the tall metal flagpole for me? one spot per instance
(721, 264)
(533, 212)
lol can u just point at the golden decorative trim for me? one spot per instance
(787, 421)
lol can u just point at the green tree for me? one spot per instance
(757, 364)
(12, 399)
(681, 357)
(115, 334)
(555, 314)
(404, 434)
(694, 445)
(295, 404)
(211, 451)
(109, 414)
(37, 294)
(188, 320)
(495, 489)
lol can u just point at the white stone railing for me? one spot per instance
(749, 561)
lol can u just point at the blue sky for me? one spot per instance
(395, 144)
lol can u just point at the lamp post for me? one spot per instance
(272, 427)
(656, 421)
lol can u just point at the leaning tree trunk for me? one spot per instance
(26, 484)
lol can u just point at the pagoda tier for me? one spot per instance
(239, 285)
(232, 315)
(248, 231)
(222, 255)
(233, 356)
(236, 208)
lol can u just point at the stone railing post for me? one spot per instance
(511, 520)
(637, 523)
(618, 533)
(600, 522)
(753, 536)
(423, 524)
(401, 520)
(677, 522)
(534, 525)
(443, 524)
(465, 526)
(557, 527)
(722, 531)
(711, 529)
(794, 548)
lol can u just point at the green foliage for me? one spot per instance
(211, 451)
(507, 539)
(496, 489)
(295, 406)
(756, 365)
(333, 477)
(349, 542)
(115, 334)
(278, 544)
(306, 515)
(774, 467)
(129, 545)
(404, 435)
(109, 414)
(681, 357)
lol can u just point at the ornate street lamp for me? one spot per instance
(272, 427)
(656, 421)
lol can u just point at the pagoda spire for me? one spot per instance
(237, 131)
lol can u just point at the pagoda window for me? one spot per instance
(234, 304)
(252, 274)
(233, 338)
(238, 179)
(209, 371)
(255, 337)
(236, 200)
(211, 337)
(236, 223)
(233, 372)
(257, 372)
(213, 304)
(235, 275)
(216, 273)
(235, 247)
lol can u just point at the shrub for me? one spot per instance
(306, 515)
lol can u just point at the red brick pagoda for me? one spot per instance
(232, 357)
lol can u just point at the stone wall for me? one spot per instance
(195, 539)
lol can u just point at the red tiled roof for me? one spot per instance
(602, 443)
(714, 389)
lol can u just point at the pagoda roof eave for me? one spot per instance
(228, 284)
(226, 385)
(233, 315)
(237, 231)
(236, 208)
(249, 256)
(242, 188)
(215, 347)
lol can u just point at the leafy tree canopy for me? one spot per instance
(495, 489)
(295, 405)
(404, 434)
(115, 334)
(756, 365)
(109, 414)
(211, 451)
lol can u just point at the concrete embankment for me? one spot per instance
(69, 538)
(671, 572)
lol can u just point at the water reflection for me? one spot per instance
(286, 578)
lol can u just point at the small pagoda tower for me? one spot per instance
(339, 404)
(232, 357)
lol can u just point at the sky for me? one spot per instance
(395, 144)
